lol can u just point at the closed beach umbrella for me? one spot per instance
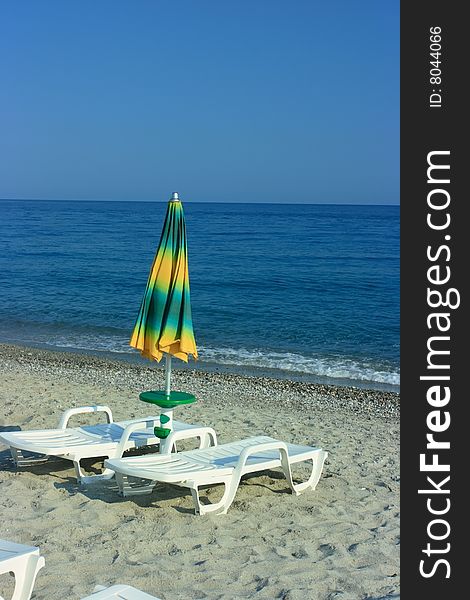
(164, 324)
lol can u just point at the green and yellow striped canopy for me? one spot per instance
(164, 323)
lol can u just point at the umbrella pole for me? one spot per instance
(166, 415)
(167, 374)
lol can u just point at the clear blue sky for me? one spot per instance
(221, 100)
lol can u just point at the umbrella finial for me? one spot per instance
(174, 197)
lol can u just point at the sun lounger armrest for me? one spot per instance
(207, 436)
(255, 448)
(82, 410)
(129, 430)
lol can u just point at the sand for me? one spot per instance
(340, 541)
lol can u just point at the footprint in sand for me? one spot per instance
(327, 550)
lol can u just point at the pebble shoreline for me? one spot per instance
(213, 388)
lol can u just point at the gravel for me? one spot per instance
(217, 389)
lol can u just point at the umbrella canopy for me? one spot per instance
(164, 323)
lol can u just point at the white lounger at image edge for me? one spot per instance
(119, 592)
(90, 441)
(225, 463)
(24, 562)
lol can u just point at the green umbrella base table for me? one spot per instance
(167, 402)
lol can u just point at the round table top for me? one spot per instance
(160, 398)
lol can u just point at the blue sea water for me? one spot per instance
(302, 291)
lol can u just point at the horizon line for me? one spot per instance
(199, 202)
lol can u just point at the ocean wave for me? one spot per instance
(97, 343)
(87, 341)
(336, 367)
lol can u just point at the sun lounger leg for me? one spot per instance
(24, 579)
(78, 471)
(84, 479)
(220, 507)
(21, 461)
(134, 486)
(317, 467)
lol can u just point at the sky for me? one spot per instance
(222, 101)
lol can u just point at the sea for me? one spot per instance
(307, 292)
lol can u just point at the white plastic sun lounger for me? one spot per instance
(225, 464)
(25, 562)
(119, 592)
(90, 441)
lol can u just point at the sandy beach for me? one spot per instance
(341, 541)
